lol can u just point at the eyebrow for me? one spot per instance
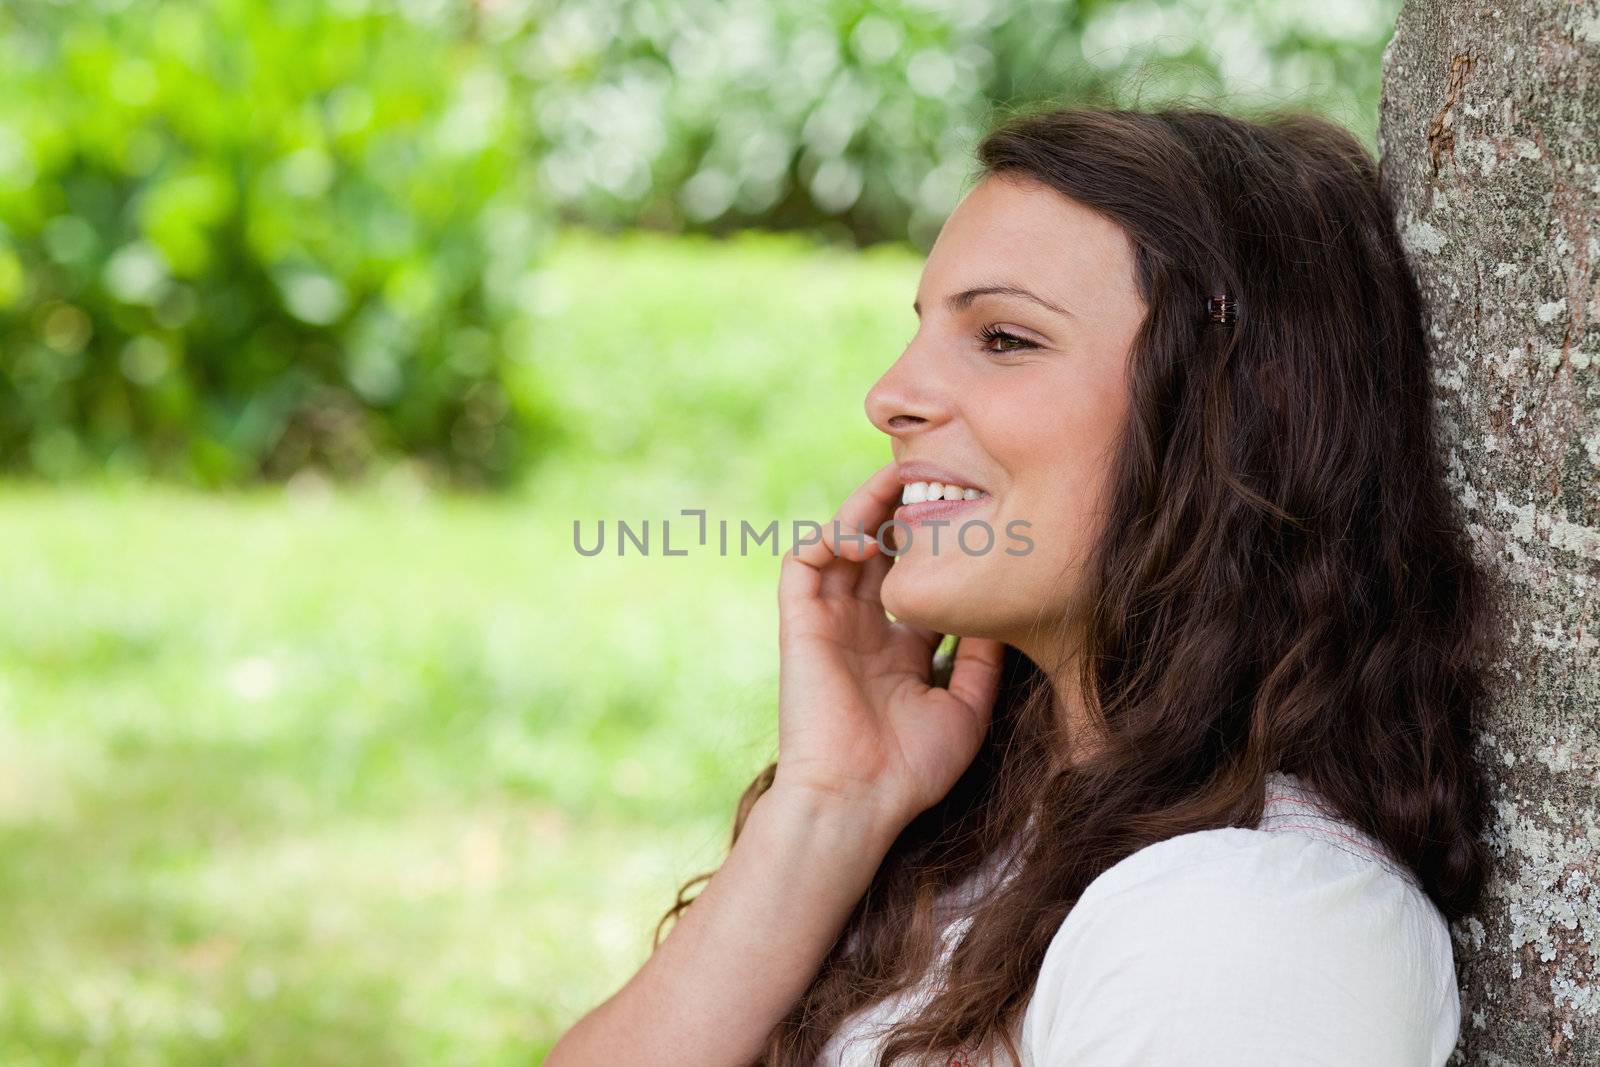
(964, 299)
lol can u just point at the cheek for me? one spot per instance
(1066, 502)
(1057, 443)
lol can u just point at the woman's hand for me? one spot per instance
(864, 744)
(858, 717)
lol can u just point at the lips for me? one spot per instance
(913, 514)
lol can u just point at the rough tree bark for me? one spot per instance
(1490, 141)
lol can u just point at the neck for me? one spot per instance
(1059, 656)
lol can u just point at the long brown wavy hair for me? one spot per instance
(1286, 582)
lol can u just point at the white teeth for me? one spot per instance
(917, 492)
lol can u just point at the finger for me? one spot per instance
(798, 583)
(828, 566)
(975, 680)
(870, 576)
(854, 515)
(863, 513)
(851, 549)
(806, 567)
(849, 536)
(873, 502)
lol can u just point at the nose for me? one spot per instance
(906, 397)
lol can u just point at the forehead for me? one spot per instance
(1017, 229)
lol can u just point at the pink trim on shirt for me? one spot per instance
(1332, 833)
(1294, 805)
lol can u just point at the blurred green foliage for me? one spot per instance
(859, 116)
(244, 237)
(333, 776)
(247, 237)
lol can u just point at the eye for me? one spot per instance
(990, 334)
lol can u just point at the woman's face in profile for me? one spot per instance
(1030, 422)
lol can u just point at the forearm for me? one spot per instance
(740, 956)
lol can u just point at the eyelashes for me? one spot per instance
(990, 334)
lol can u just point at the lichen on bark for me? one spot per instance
(1489, 136)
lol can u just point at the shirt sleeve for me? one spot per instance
(1247, 948)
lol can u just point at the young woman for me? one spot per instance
(1199, 785)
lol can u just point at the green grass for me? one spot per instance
(386, 776)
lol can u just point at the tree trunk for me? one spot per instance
(1489, 134)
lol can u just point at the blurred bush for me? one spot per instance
(858, 117)
(245, 237)
(240, 238)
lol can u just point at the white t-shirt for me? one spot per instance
(1299, 942)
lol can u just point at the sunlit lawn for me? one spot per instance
(392, 776)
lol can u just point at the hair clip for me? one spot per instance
(1222, 308)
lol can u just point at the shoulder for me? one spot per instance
(1247, 946)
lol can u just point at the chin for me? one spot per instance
(910, 597)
